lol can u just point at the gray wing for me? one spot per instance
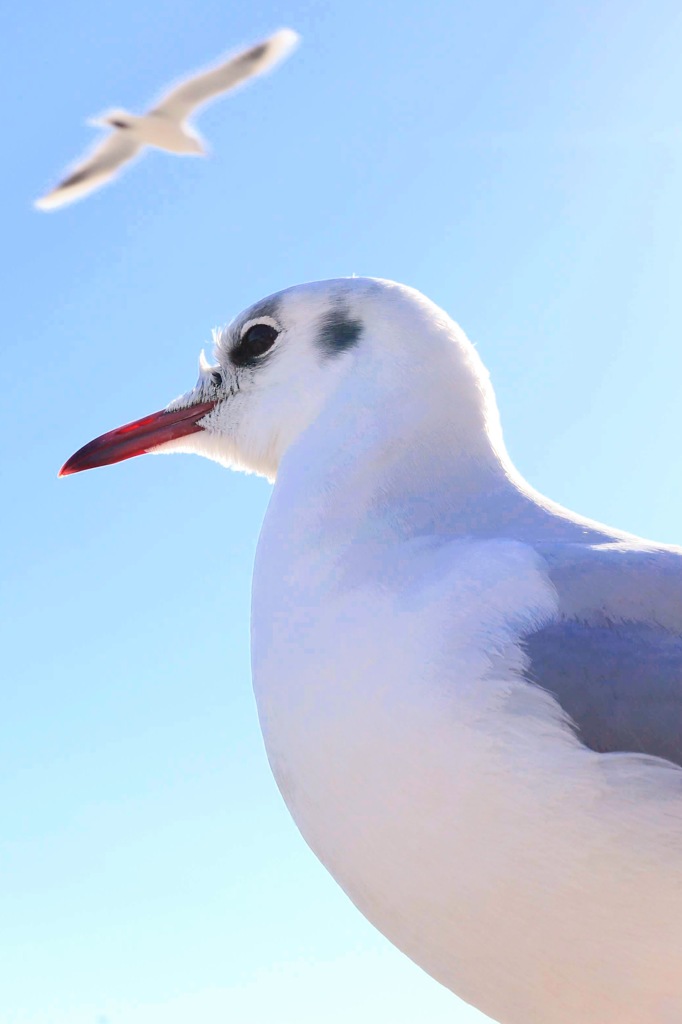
(613, 659)
(182, 100)
(95, 170)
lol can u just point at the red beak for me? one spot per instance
(137, 438)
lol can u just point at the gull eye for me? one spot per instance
(216, 378)
(256, 342)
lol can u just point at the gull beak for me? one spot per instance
(138, 438)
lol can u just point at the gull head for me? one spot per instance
(353, 360)
(113, 119)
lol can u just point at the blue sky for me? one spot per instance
(520, 163)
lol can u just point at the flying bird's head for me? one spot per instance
(348, 348)
(113, 119)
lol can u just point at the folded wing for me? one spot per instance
(613, 657)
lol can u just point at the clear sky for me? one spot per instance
(518, 162)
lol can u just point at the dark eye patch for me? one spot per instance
(256, 342)
(216, 378)
(338, 331)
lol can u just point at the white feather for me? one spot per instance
(165, 124)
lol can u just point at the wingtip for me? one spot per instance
(48, 202)
(287, 35)
(272, 50)
(285, 40)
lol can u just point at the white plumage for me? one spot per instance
(471, 698)
(165, 125)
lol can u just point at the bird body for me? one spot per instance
(464, 689)
(155, 129)
(539, 880)
(165, 125)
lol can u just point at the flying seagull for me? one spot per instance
(471, 698)
(166, 125)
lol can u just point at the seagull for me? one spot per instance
(166, 124)
(471, 698)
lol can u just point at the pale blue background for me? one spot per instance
(520, 163)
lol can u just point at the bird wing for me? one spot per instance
(184, 97)
(95, 170)
(613, 656)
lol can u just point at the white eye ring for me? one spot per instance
(268, 320)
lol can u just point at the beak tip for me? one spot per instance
(70, 467)
(137, 438)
